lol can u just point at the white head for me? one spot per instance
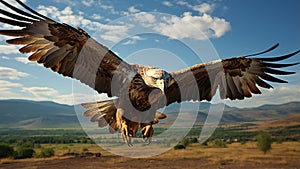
(156, 78)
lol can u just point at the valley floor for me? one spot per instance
(235, 156)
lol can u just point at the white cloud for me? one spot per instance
(4, 90)
(204, 8)
(10, 90)
(65, 16)
(188, 26)
(145, 19)
(201, 8)
(7, 84)
(167, 3)
(12, 74)
(67, 11)
(185, 26)
(5, 57)
(110, 32)
(88, 2)
(3, 37)
(280, 94)
(96, 17)
(68, 2)
(113, 33)
(182, 3)
(132, 9)
(8, 93)
(42, 93)
(9, 49)
(23, 60)
(133, 40)
(109, 8)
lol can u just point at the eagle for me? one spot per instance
(137, 91)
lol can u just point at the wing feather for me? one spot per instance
(236, 78)
(65, 50)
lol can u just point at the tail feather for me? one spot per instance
(103, 112)
(98, 104)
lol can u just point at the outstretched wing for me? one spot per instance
(236, 78)
(66, 50)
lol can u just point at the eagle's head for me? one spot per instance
(156, 77)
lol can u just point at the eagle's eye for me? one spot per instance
(154, 79)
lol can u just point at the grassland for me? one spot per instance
(242, 153)
(235, 155)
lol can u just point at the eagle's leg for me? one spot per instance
(122, 125)
(125, 133)
(147, 131)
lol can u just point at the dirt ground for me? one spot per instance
(122, 163)
(235, 156)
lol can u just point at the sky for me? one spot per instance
(169, 34)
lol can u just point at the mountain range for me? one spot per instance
(33, 114)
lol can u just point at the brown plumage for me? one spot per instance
(140, 90)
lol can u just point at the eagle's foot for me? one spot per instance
(147, 132)
(126, 135)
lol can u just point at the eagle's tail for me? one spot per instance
(103, 112)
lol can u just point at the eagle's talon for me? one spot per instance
(147, 132)
(129, 142)
(125, 134)
(147, 140)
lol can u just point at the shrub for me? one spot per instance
(194, 140)
(6, 151)
(47, 152)
(264, 141)
(23, 152)
(179, 146)
(219, 144)
(85, 149)
(187, 141)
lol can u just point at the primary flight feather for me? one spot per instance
(140, 89)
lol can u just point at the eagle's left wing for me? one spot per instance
(236, 78)
(66, 50)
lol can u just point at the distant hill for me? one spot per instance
(234, 115)
(291, 121)
(32, 114)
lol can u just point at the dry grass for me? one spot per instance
(275, 124)
(285, 155)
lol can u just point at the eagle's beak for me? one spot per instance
(161, 85)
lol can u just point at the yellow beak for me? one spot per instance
(161, 85)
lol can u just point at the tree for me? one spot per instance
(23, 152)
(6, 151)
(47, 152)
(264, 141)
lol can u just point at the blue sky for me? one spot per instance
(168, 34)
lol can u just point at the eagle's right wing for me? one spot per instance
(236, 78)
(66, 50)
